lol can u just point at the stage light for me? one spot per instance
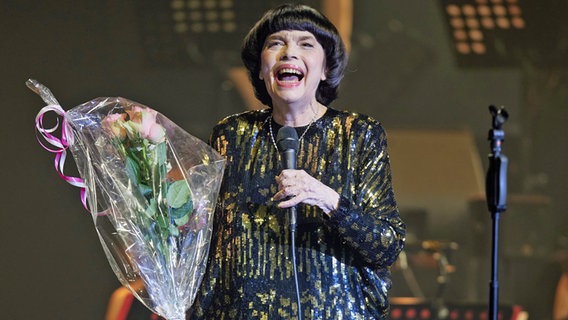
(198, 32)
(471, 20)
(499, 33)
(200, 16)
(192, 32)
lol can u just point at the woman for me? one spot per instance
(348, 231)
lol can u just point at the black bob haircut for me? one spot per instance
(303, 18)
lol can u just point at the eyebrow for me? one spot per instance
(275, 36)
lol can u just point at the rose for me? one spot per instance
(143, 120)
(114, 123)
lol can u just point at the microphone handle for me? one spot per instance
(288, 159)
(292, 211)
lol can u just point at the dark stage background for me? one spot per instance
(403, 71)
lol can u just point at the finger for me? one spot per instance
(293, 198)
(290, 202)
(283, 192)
(278, 196)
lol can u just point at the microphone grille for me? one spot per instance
(287, 138)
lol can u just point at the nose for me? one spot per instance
(289, 52)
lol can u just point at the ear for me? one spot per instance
(260, 76)
(323, 75)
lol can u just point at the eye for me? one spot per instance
(273, 43)
(307, 44)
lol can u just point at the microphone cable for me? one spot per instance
(295, 265)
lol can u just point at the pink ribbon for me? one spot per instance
(59, 146)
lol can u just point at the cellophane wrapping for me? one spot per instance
(151, 189)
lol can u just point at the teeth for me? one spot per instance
(290, 70)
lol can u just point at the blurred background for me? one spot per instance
(427, 69)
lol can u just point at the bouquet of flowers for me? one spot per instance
(151, 189)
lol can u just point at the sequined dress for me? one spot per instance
(342, 260)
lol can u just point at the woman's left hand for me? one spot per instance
(297, 186)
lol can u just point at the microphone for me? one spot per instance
(287, 143)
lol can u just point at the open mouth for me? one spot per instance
(289, 75)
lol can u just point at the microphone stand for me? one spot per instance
(496, 192)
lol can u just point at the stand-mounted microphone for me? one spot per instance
(287, 143)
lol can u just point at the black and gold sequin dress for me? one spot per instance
(342, 261)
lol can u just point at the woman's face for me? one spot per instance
(292, 66)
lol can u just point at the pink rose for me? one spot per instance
(114, 124)
(145, 120)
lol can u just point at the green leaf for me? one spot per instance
(174, 230)
(162, 223)
(184, 210)
(161, 153)
(152, 208)
(178, 194)
(132, 170)
(182, 221)
(145, 190)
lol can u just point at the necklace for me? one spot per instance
(269, 119)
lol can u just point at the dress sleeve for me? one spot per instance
(367, 217)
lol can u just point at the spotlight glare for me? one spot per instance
(213, 27)
(177, 4)
(229, 27)
(180, 27)
(228, 15)
(476, 35)
(478, 48)
(488, 23)
(499, 10)
(193, 4)
(226, 4)
(518, 22)
(457, 23)
(197, 27)
(460, 35)
(472, 23)
(503, 23)
(453, 10)
(515, 10)
(468, 10)
(463, 47)
(195, 15)
(211, 15)
(210, 4)
(484, 10)
(178, 16)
